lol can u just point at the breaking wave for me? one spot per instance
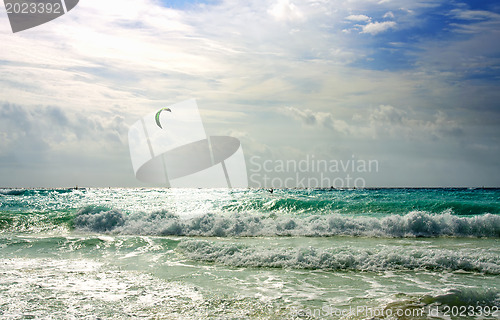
(12, 192)
(413, 224)
(32, 192)
(342, 258)
(99, 219)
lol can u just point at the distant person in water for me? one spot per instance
(271, 190)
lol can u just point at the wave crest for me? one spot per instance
(99, 219)
(344, 258)
(413, 224)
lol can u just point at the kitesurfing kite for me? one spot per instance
(157, 117)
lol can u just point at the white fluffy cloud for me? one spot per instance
(358, 17)
(374, 28)
(284, 10)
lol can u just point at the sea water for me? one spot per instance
(249, 254)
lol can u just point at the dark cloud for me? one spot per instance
(45, 140)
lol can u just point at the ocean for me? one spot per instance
(123, 253)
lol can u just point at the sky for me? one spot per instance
(413, 85)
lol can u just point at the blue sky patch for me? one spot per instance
(186, 4)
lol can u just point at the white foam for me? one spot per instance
(343, 258)
(413, 224)
(72, 289)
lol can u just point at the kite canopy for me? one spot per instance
(181, 154)
(157, 117)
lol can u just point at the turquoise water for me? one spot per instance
(238, 254)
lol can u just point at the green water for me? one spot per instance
(247, 254)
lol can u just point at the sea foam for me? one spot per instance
(342, 258)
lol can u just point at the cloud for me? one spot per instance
(389, 14)
(399, 122)
(358, 17)
(469, 53)
(52, 128)
(98, 69)
(284, 10)
(386, 114)
(51, 146)
(474, 15)
(374, 28)
(311, 118)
